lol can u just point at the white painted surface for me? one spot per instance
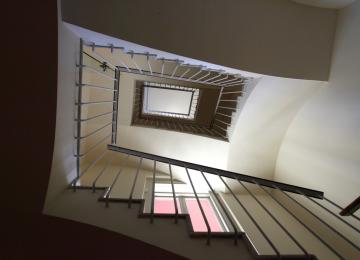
(321, 149)
(263, 122)
(63, 164)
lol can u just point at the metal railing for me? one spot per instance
(224, 176)
(231, 87)
(107, 131)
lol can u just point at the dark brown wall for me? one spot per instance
(272, 37)
(29, 102)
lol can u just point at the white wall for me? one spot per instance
(321, 149)
(63, 164)
(263, 121)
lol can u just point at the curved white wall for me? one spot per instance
(263, 122)
(321, 149)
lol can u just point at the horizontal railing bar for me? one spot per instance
(113, 67)
(223, 114)
(109, 189)
(102, 171)
(90, 44)
(95, 102)
(229, 100)
(95, 131)
(223, 83)
(134, 183)
(234, 84)
(95, 86)
(96, 71)
(221, 135)
(228, 174)
(232, 92)
(141, 53)
(93, 147)
(94, 117)
(232, 108)
(220, 127)
(167, 76)
(221, 121)
(93, 163)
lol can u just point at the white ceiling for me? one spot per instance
(336, 4)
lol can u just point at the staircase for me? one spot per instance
(125, 176)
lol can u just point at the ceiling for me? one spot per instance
(335, 4)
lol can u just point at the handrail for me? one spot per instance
(225, 173)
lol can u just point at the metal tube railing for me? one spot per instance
(88, 168)
(186, 72)
(300, 221)
(206, 75)
(94, 117)
(79, 100)
(228, 174)
(197, 73)
(323, 221)
(200, 207)
(223, 208)
(274, 218)
(102, 172)
(94, 102)
(332, 213)
(108, 191)
(337, 206)
(174, 196)
(95, 71)
(93, 147)
(133, 61)
(93, 132)
(115, 107)
(219, 81)
(251, 217)
(94, 86)
(222, 121)
(213, 78)
(153, 195)
(233, 92)
(220, 134)
(134, 183)
(218, 113)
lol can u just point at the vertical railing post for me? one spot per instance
(216, 107)
(222, 207)
(115, 106)
(174, 196)
(134, 183)
(153, 195)
(79, 103)
(201, 208)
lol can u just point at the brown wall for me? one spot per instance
(29, 102)
(272, 37)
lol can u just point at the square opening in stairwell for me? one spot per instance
(167, 100)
